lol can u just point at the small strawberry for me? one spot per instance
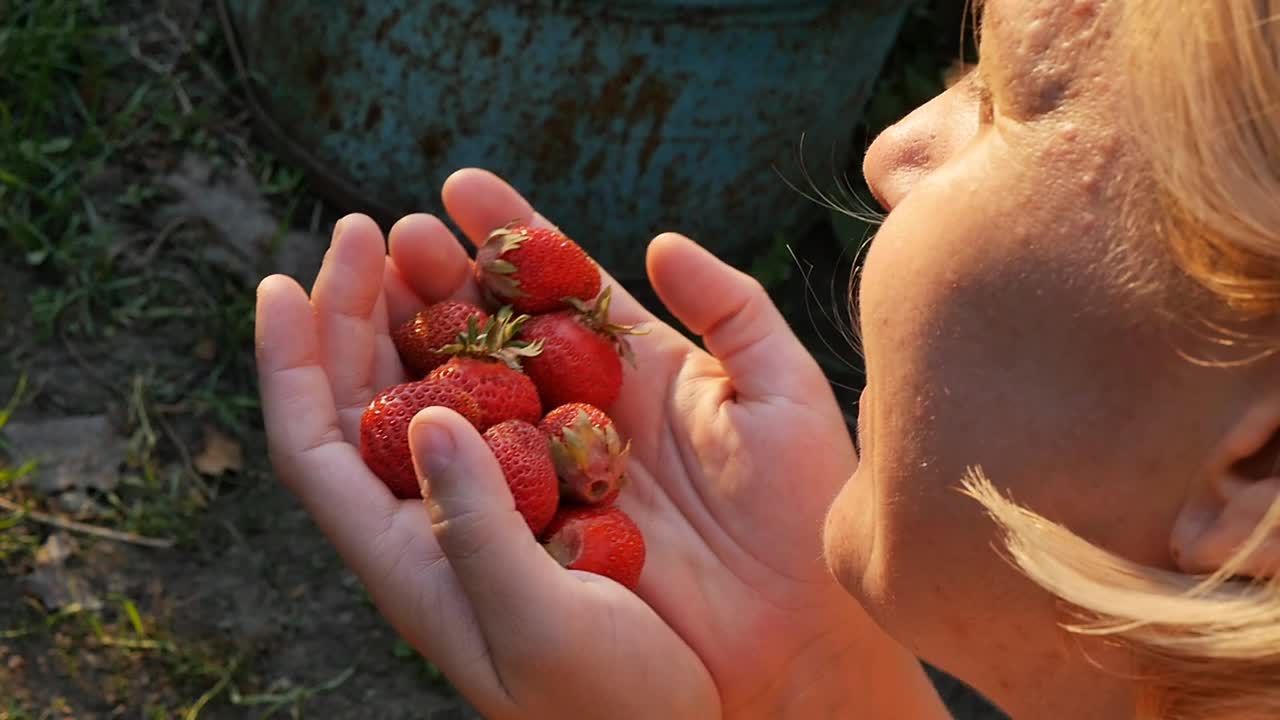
(600, 540)
(487, 365)
(384, 428)
(419, 339)
(579, 361)
(534, 269)
(590, 456)
(523, 454)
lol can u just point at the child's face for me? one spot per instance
(1000, 331)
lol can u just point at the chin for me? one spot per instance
(848, 537)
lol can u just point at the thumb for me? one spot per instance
(733, 314)
(510, 581)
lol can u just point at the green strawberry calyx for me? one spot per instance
(499, 271)
(589, 459)
(495, 340)
(596, 316)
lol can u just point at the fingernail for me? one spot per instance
(337, 227)
(435, 448)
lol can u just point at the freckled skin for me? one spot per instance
(1002, 329)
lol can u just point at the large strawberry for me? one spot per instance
(486, 363)
(419, 339)
(534, 269)
(590, 456)
(600, 540)
(525, 458)
(384, 428)
(580, 354)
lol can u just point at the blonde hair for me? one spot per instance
(1204, 80)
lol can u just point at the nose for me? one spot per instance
(895, 162)
(915, 146)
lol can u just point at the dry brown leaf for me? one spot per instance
(221, 454)
(230, 200)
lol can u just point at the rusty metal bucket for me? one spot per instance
(618, 119)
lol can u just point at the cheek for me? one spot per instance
(995, 339)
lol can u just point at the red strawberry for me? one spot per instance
(600, 540)
(590, 457)
(384, 428)
(487, 365)
(420, 338)
(579, 361)
(534, 269)
(525, 458)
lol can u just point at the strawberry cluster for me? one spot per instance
(531, 371)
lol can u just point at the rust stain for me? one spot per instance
(589, 63)
(324, 101)
(594, 166)
(434, 142)
(611, 101)
(654, 100)
(316, 69)
(316, 74)
(675, 187)
(491, 44)
(556, 147)
(372, 116)
(387, 23)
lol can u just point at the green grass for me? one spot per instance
(16, 542)
(86, 121)
(95, 106)
(90, 114)
(125, 642)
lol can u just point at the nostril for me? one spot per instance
(895, 162)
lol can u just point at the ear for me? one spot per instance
(1232, 502)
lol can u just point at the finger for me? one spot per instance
(431, 260)
(402, 302)
(355, 343)
(306, 445)
(738, 322)
(511, 581)
(387, 368)
(480, 202)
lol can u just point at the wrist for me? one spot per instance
(856, 671)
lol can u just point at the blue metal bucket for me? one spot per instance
(618, 119)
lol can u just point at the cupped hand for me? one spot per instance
(737, 451)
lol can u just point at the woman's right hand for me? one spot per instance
(737, 451)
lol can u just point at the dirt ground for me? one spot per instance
(249, 613)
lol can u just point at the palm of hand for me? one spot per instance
(733, 491)
(735, 458)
